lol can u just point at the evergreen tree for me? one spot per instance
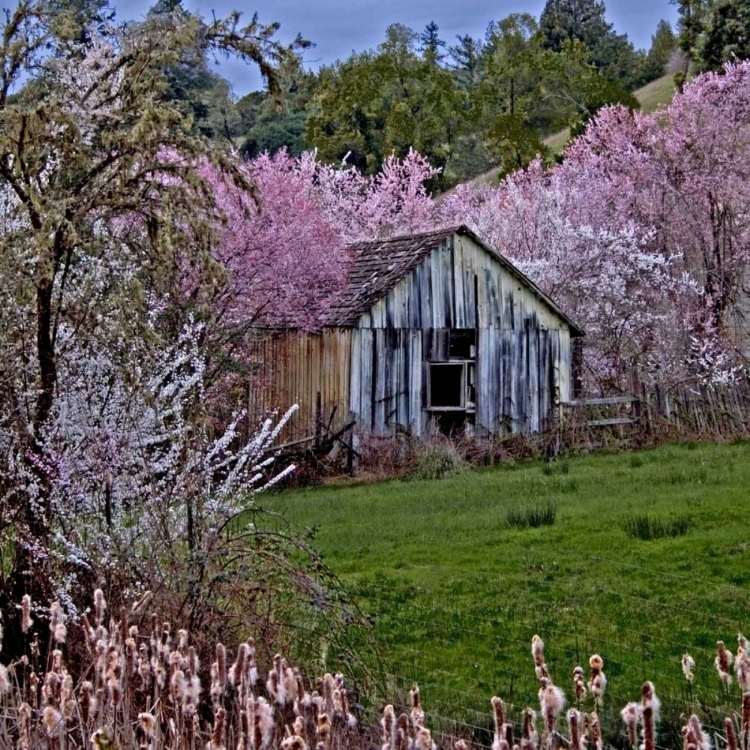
(466, 57)
(663, 44)
(726, 34)
(584, 21)
(692, 17)
(432, 44)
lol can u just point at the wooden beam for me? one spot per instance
(604, 401)
(608, 422)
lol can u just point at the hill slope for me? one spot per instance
(651, 96)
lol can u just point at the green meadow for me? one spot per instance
(647, 557)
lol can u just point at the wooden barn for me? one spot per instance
(433, 331)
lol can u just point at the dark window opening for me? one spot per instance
(446, 385)
(463, 343)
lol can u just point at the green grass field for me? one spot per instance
(455, 593)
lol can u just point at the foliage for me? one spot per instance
(269, 125)
(112, 469)
(663, 46)
(563, 21)
(377, 104)
(726, 35)
(651, 207)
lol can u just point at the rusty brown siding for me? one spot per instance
(293, 367)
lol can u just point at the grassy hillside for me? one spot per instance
(455, 593)
(651, 96)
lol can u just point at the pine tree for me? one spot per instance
(466, 57)
(431, 43)
(726, 34)
(584, 20)
(663, 44)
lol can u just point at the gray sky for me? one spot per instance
(339, 26)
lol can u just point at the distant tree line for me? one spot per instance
(467, 106)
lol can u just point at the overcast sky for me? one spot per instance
(339, 26)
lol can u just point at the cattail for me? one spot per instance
(688, 665)
(295, 742)
(402, 733)
(552, 702)
(596, 732)
(251, 670)
(579, 684)
(4, 680)
(52, 720)
(388, 724)
(57, 656)
(417, 714)
(219, 674)
(178, 687)
(723, 662)
(221, 665)
(631, 715)
(24, 726)
(574, 726)
(57, 623)
(237, 669)
(217, 736)
(193, 662)
(460, 745)
(67, 697)
(649, 713)
(100, 606)
(745, 720)
(701, 738)
(497, 710)
(264, 721)
(529, 737)
(26, 621)
(742, 668)
(537, 651)
(51, 687)
(423, 740)
(731, 734)
(598, 681)
(147, 723)
(87, 702)
(328, 684)
(323, 728)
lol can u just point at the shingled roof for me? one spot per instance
(378, 265)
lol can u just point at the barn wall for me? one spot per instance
(292, 368)
(378, 369)
(523, 352)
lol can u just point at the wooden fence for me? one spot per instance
(686, 409)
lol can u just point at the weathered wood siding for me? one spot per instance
(523, 346)
(293, 368)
